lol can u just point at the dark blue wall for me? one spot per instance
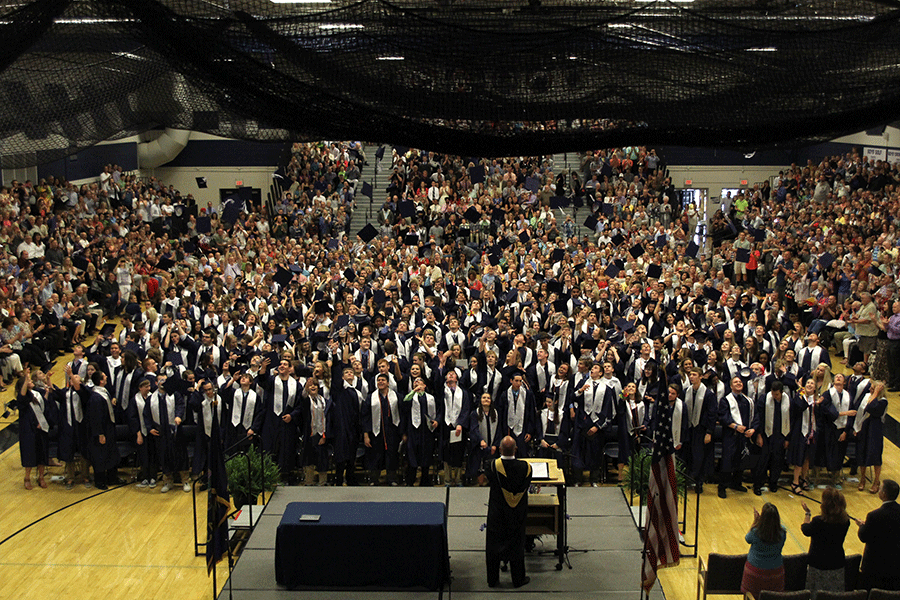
(90, 162)
(228, 153)
(680, 155)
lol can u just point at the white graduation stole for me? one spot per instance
(140, 402)
(842, 403)
(246, 407)
(785, 414)
(73, 407)
(375, 403)
(735, 410)
(317, 414)
(278, 394)
(693, 399)
(104, 393)
(37, 406)
(430, 409)
(169, 399)
(677, 414)
(207, 414)
(515, 419)
(453, 400)
(861, 414)
(808, 425)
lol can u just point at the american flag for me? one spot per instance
(661, 541)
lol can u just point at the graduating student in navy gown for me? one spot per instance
(245, 408)
(632, 420)
(802, 446)
(381, 421)
(163, 413)
(146, 443)
(34, 429)
(485, 433)
(455, 412)
(701, 410)
(73, 440)
(550, 421)
(317, 426)
(736, 416)
(103, 450)
(834, 412)
(201, 404)
(596, 421)
(772, 422)
(869, 427)
(346, 399)
(424, 414)
(282, 415)
(518, 413)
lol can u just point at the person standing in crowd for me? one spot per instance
(881, 534)
(868, 424)
(102, 433)
(826, 532)
(736, 416)
(772, 423)
(802, 443)
(764, 569)
(509, 480)
(34, 432)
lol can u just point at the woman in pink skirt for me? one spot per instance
(764, 569)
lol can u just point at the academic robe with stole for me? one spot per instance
(507, 508)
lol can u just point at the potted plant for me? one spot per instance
(637, 474)
(264, 476)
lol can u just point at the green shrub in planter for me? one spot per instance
(244, 491)
(637, 474)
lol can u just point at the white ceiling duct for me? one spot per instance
(164, 148)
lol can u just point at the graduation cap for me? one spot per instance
(561, 305)
(350, 275)
(283, 276)
(654, 271)
(692, 250)
(532, 184)
(367, 189)
(80, 262)
(108, 330)
(368, 233)
(606, 208)
(401, 150)
(625, 325)
(612, 270)
(472, 215)
(742, 255)
(378, 296)
(361, 318)
(590, 344)
(591, 222)
(498, 214)
(700, 336)
(232, 209)
(334, 244)
(322, 307)
(524, 237)
(295, 326)
(826, 260)
(201, 182)
(758, 234)
(554, 287)
(661, 241)
(636, 251)
(475, 294)
(175, 358)
(205, 296)
(560, 202)
(379, 154)
(618, 240)
(493, 258)
(406, 209)
(189, 247)
(476, 174)
(424, 249)
(504, 243)
(204, 225)
(279, 338)
(164, 264)
(558, 255)
(712, 293)
(411, 239)
(510, 295)
(342, 321)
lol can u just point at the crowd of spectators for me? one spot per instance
(472, 306)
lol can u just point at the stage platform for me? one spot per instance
(605, 548)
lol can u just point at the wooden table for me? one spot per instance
(547, 512)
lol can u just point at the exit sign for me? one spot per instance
(743, 182)
(688, 182)
(239, 182)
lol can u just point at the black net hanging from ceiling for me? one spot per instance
(472, 77)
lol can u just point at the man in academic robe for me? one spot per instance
(104, 453)
(456, 412)
(347, 399)
(519, 413)
(509, 480)
(381, 422)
